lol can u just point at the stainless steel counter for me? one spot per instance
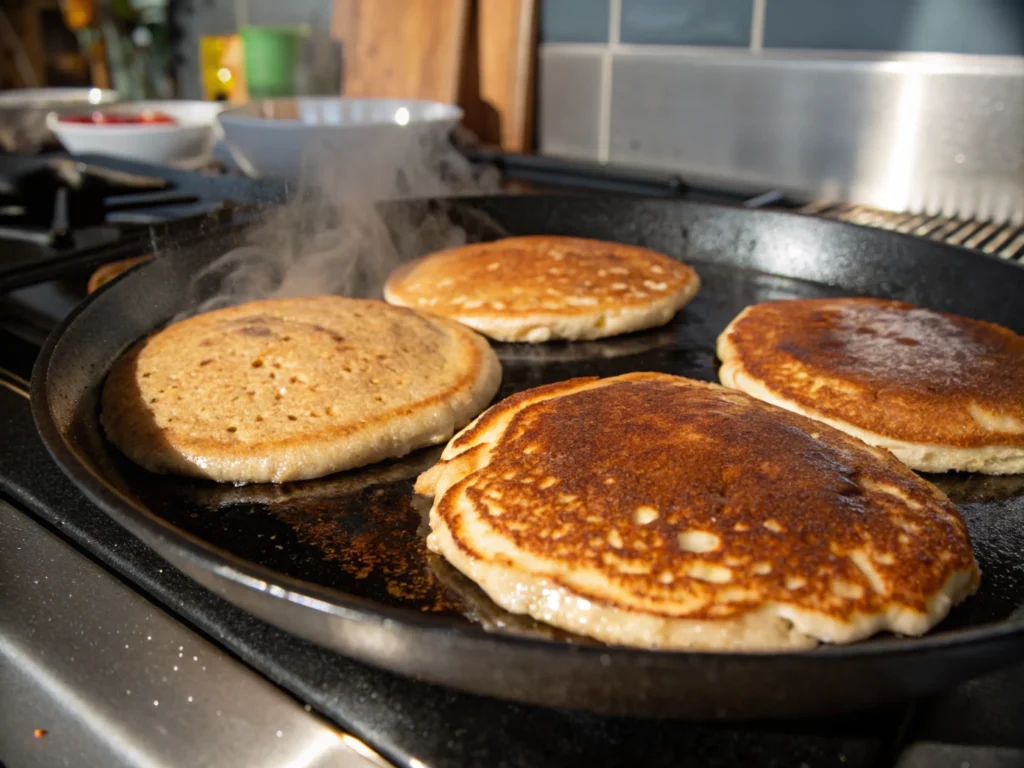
(93, 674)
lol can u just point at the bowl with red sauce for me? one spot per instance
(180, 132)
(146, 117)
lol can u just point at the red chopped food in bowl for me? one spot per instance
(146, 117)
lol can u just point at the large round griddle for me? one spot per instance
(341, 561)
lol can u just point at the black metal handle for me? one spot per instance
(557, 172)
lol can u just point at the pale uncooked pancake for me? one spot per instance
(541, 288)
(662, 512)
(292, 389)
(942, 392)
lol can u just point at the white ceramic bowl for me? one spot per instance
(190, 139)
(371, 137)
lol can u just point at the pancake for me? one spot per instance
(541, 287)
(108, 272)
(661, 512)
(942, 392)
(292, 389)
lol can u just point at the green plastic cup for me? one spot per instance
(272, 56)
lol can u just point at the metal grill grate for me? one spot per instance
(1003, 240)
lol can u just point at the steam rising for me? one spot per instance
(331, 238)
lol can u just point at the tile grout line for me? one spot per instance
(605, 105)
(757, 26)
(614, 23)
(241, 13)
(604, 108)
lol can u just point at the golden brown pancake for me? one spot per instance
(292, 389)
(942, 392)
(662, 512)
(542, 287)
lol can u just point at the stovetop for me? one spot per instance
(58, 211)
(342, 706)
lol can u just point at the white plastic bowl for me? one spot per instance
(374, 137)
(190, 139)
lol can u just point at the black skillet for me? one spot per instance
(341, 561)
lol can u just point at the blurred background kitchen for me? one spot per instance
(907, 106)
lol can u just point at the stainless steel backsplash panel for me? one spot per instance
(941, 134)
(569, 102)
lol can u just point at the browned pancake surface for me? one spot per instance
(686, 494)
(889, 367)
(538, 273)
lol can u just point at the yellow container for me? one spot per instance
(219, 69)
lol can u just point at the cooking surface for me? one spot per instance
(362, 532)
(615, 680)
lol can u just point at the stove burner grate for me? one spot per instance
(993, 238)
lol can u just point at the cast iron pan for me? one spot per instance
(341, 561)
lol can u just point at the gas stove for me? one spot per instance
(109, 656)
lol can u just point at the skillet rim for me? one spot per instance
(147, 525)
